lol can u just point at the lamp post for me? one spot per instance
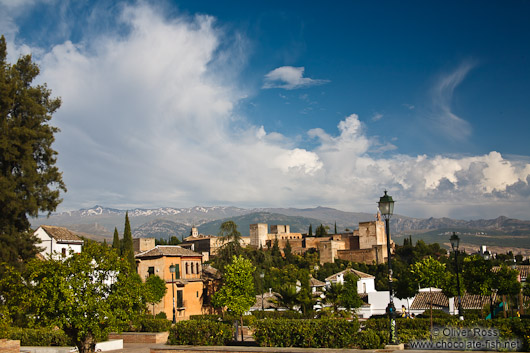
(262, 275)
(172, 270)
(455, 241)
(386, 207)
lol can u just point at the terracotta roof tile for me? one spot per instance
(167, 250)
(422, 300)
(61, 234)
(349, 270)
(439, 300)
(313, 282)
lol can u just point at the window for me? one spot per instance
(187, 268)
(177, 271)
(63, 251)
(197, 266)
(192, 268)
(180, 302)
(150, 271)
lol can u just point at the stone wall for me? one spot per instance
(9, 346)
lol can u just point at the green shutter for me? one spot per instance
(179, 299)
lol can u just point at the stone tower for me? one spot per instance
(258, 234)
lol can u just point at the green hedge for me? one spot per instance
(290, 314)
(322, 333)
(416, 329)
(200, 333)
(154, 325)
(38, 336)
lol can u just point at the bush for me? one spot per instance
(200, 333)
(161, 315)
(38, 336)
(148, 324)
(322, 333)
(209, 317)
(289, 314)
(369, 339)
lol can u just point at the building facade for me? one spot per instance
(57, 242)
(184, 288)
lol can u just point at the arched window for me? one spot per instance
(197, 266)
(187, 267)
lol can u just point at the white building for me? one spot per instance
(375, 301)
(57, 242)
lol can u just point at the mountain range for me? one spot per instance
(100, 221)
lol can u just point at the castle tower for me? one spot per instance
(258, 234)
(194, 232)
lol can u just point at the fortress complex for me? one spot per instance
(366, 244)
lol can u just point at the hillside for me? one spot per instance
(165, 222)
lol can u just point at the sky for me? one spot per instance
(286, 104)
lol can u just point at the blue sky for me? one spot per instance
(287, 104)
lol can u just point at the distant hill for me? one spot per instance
(164, 222)
(297, 224)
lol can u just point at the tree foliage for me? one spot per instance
(116, 240)
(237, 292)
(87, 295)
(155, 289)
(128, 249)
(231, 238)
(30, 182)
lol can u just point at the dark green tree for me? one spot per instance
(128, 250)
(29, 180)
(350, 299)
(335, 228)
(321, 231)
(116, 240)
(310, 232)
(288, 252)
(231, 238)
(155, 289)
(237, 291)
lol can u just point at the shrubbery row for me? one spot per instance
(322, 333)
(37, 336)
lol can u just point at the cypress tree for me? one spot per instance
(310, 233)
(128, 251)
(116, 240)
(335, 228)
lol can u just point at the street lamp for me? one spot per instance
(172, 270)
(455, 241)
(262, 275)
(386, 207)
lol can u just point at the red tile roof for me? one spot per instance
(61, 234)
(167, 250)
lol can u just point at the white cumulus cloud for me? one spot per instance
(290, 77)
(148, 120)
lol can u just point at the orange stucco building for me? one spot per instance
(187, 283)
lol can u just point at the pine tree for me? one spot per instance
(29, 180)
(128, 251)
(310, 233)
(116, 240)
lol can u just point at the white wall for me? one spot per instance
(50, 245)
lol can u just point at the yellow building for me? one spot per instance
(187, 283)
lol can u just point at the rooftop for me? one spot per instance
(167, 250)
(61, 234)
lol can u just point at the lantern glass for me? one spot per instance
(172, 268)
(386, 205)
(455, 240)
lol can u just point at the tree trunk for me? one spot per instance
(242, 329)
(87, 345)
